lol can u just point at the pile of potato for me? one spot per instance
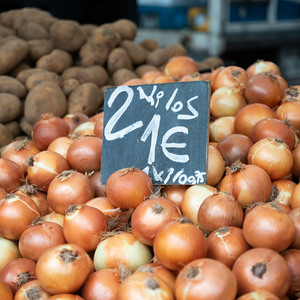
(50, 65)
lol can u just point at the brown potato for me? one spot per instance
(71, 72)
(5, 135)
(142, 69)
(46, 97)
(118, 59)
(38, 77)
(136, 52)
(26, 127)
(32, 31)
(157, 57)
(11, 107)
(23, 75)
(69, 85)
(95, 74)
(176, 50)
(14, 128)
(126, 28)
(88, 29)
(39, 48)
(13, 86)
(92, 53)
(5, 31)
(123, 75)
(110, 37)
(150, 44)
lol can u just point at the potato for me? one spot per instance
(142, 69)
(150, 44)
(136, 52)
(71, 72)
(13, 86)
(126, 28)
(88, 29)
(214, 61)
(5, 135)
(176, 50)
(86, 99)
(23, 75)
(95, 74)
(12, 51)
(32, 31)
(56, 61)
(123, 75)
(110, 37)
(118, 59)
(69, 85)
(14, 128)
(67, 35)
(11, 107)
(46, 97)
(19, 68)
(39, 77)
(26, 127)
(5, 31)
(157, 57)
(39, 48)
(92, 53)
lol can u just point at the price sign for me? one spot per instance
(161, 129)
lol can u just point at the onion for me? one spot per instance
(19, 151)
(98, 186)
(47, 129)
(2, 193)
(39, 237)
(174, 255)
(84, 225)
(263, 88)
(16, 213)
(296, 161)
(221, 128)
(121, 248)
(61, 145)
(292, 258)
(54, 217)
(294, 214)
(226, 244)
(180, 66)
(247, 183)
(151, 215)
(248, 116)
(259, 295)
(150, 75)
(84, 129)
(262, 269)
(192, 199)
(98, 128)
(262, 66)
(11, 175)
(18, 272)
(272, 155)
(274, 128)
(65, 297)
(9, 251)
(44, 166)
(291, 93)
(75, 119)
(235, 147)
(289, 111)
(103, 204)
(63, 268)
(204, 279)
(102, 284)
(5, 291)
(32, 290)
(218, 210)
(295, 200)
(69, 188)
(144, 285)
(267, 226)
(226, 101)
(84, 154)
(174, 193)
(215, 166)
(192, 77)
(127, 188)
(282, 190)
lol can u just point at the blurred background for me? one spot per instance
(238, 31)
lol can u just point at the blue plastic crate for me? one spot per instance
(288, 10)
(248, 11)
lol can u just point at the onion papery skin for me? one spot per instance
(19, 151)
(9, 251)
(98, 186)
(282, 190)
(267, 226)
(63, 269)
(235, 147)
(151, 215)
(226, 244)
(5, 291)
(127, 188)
(205, 279)
(32, 290)
(84, 225)
(178, 243)
(262, 269)
(75, 119)
(44, 166)
(144, 285)
(85, 129)
(121, 249)
(218, 210)
(192, 199)
(61, 145)
(289, 111)
(249, 116)
(18, 272)
(221, 128)
(272, 155)
(69, 188)
(294, 215)
(101, 285)
(247, 184)
(274, 128)
(263, 66)
(39, 237)
(54, 217)
(174, 193)
(16, 213)
(215, 166)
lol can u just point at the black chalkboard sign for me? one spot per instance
(161, 129)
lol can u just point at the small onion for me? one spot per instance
(121, 249)
(272, 155)
(226, 244)
(262, 268)
(75, 119)
(174, 193)
(262, 66)
(205, 278)
(18, 272)
(218, 210)
(215, 166)
(61, 145)
(192, 199)
(267, 226)
(151, 215)
(63, 268)
(221, 128)
(32, 290)
(174, 255)
(9, 251)
(247, 183)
